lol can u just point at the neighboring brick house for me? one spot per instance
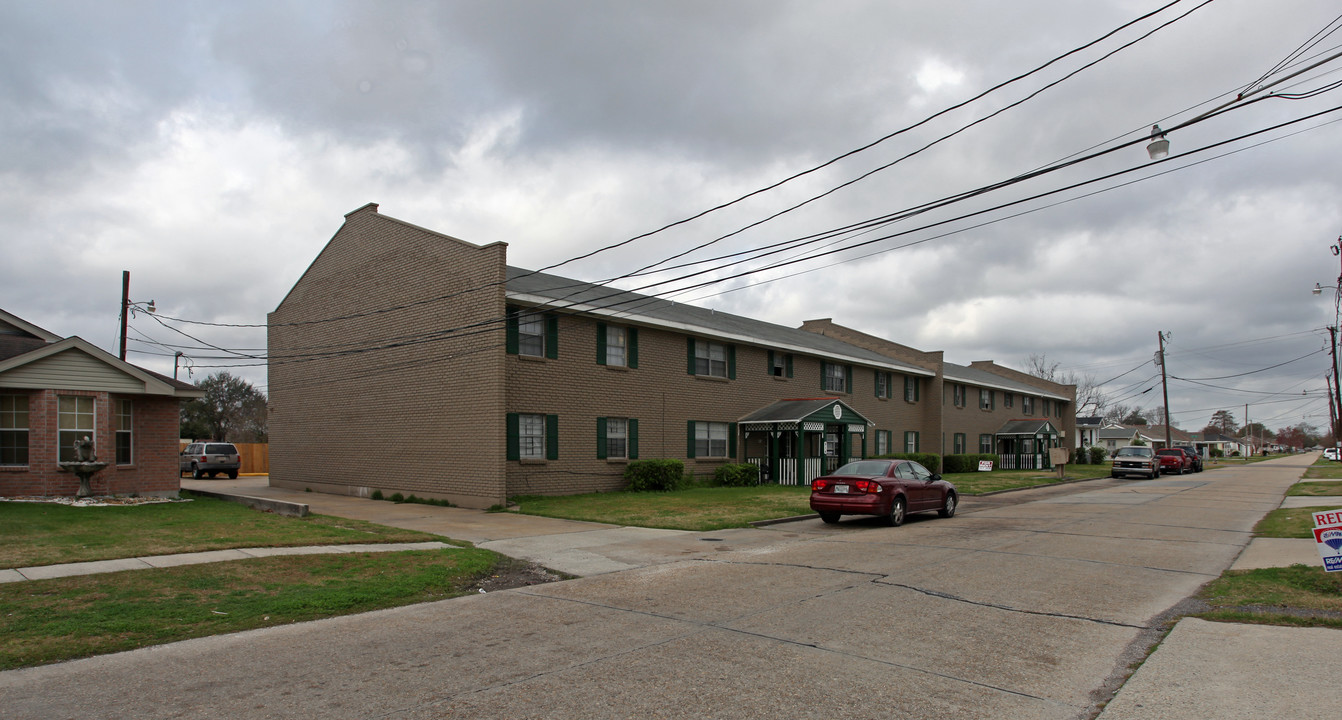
(56, 390)
(404, 360)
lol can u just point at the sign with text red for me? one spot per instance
(1328, 536)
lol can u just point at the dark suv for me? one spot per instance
(210, 458)
(1193, 453)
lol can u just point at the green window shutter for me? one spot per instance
(876, 381)
(552, 337)
(788, 361)
(824, 375)
(631, 337)
(601, 438)
(917, 389)
(514, 453)
(689, 449)
(633, 438)
(551, 437)
(601, 344)
(690, 370)
(731, 440)
(771, 362)
(510, 334)
(731, 362)
(917, 442)
(848, 378)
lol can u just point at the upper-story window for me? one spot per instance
(882, 384)
(1048, 407)
(780, 364)
(986, 399)
(616, 346)
(710, 358)
(911, 388)
(532, 334)
(958, 395)
(836, 377)
(1027, 404)
(1006, 399)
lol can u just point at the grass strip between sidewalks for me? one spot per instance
(46, 621)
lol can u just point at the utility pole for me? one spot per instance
(1332, 410)
(1335, 397)
(1164, 389)
(125, 309)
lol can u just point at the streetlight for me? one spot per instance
(1159, 147)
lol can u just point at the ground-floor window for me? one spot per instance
(533, 436)
(74, 418)
(124, 435)
(986, 444)
(959, 447)
(882, 442)
(911, 441)
(13, 429)
(616, 438)
(710, 440)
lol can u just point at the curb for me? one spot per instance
(279, 507)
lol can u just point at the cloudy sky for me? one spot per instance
(212, 148)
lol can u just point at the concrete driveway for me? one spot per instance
(1033, 610)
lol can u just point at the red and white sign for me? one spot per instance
(985, 466)
(1328, 536)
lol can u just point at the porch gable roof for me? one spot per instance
(1027, 427)
(799, 410)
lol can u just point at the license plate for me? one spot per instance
(841, 489)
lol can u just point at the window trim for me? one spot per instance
(780, 364)
(128, 432)
(630, 359)
(912, 388)
(841, 373)
(65, 450)
(549, 335)
(985, 448)
(959, 444)
(728, 352)
(987, 399)
(958, 395)
(549, 438)
(603, 438)
(911, 441)
(692, 440)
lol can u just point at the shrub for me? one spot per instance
(737, 475)
(654, 475)
(377, 495)
(397, 497)
(1097, 455)
(1216, 452)
(965, 463)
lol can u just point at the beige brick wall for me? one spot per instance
(405, 394)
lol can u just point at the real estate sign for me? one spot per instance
(1328, 535)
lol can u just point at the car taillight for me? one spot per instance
(819, 485)
(867, 486)
(204, 458)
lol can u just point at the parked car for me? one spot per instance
(1137, 460)
(211, 458)
(1332, 453)
(1174, 460)
(890, 489)
(1192, 453)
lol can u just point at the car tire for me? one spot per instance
(896, 516)
(829, 518)
(212, 475)
(195, 472)
(233, 475)
(948, 508)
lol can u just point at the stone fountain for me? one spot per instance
(84, 466)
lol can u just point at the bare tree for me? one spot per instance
(1089, 399)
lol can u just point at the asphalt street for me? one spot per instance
(1027, 610)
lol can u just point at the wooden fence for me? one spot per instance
(255, 457)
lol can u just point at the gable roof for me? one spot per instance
(535, 288)
(983, 378)
(54, 359)
(1027, 426)
(798, 410)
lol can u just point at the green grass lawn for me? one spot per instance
(697, 508)
(1315, 489)
(1323, 469)
(49, 534)
(46, 621)
(1289, 523)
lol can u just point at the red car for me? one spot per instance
(890, 489)
(1174, 460)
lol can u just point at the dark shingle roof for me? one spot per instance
(621, 305)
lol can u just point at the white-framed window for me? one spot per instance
(779, 364)
(882, 384)
(710, 440)
(882, 442)
(911, 441)
(710, 358)
(617, 346)
(958, 395)
(13, 429)
(986, 444)
(531, 437)
(959, 444)
(836, 378)
(1048, 407)
(985, 399)
(124, 434)
(910, 388)
(617, 438)
(1027, 404)
(1006, 399)
(74, 418)
(531, 335)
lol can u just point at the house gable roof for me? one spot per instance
(75, 364)
(981, 378)
(800, 410)
(1027, 426)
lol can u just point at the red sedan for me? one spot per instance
(1174, 460)
(890, 489)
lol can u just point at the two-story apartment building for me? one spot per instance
(404, 360)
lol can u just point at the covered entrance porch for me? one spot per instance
(793, 442)
(1024, 444)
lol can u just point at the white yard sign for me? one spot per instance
(1328, 534)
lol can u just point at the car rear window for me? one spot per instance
(220, 449)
